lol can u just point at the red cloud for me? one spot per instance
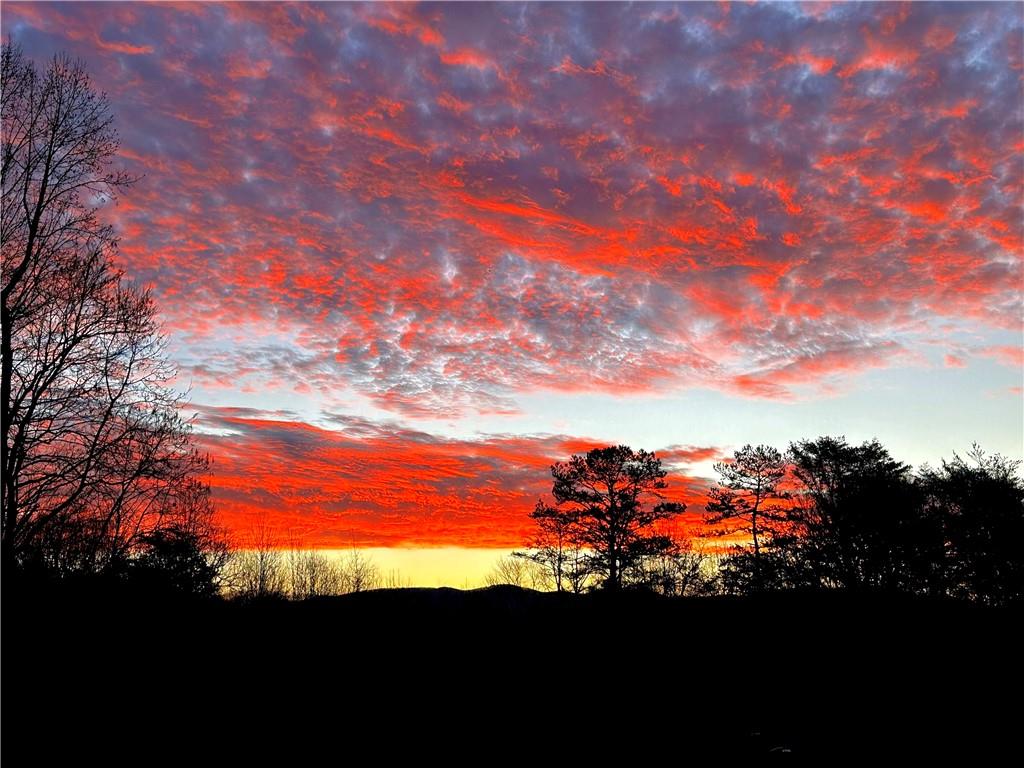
(880, 54)
(954, 361)
(339, 193)
(368, 484)
(397, 19)
(1006, 355)
(469, 57)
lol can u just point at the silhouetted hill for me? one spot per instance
(626, 675)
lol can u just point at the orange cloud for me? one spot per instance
(366, 484)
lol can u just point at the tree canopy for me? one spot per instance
(860, 520)
(750, 493)
(978, 502)
(609, 502)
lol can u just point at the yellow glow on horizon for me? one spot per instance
(459, 567)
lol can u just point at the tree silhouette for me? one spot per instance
(92, 436)
(859, 520)
(177, 560)
(257, 570)
(312, 574)
(608, 491)
(556, 547)
(517, 572)
(749, 492)
(189, 552)
(358, 572)
(980, 504)
(680, 571)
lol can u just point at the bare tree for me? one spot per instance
(93, 441)
(578, 572)
(561, 552)
(359, 572)
(555, 546)
(682, 571)
(519, 572)
(393, 579)
(257, 569)
(312, 574)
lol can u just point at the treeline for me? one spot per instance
(824, 514)
(101, 480)
(860, 520)
(264, 570)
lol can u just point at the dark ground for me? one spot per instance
(504, 674)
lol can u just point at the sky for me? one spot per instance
(407, 256)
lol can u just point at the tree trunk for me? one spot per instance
(614, 577)
(757, 550)
(10, 491)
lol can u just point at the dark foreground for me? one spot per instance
(507, 674)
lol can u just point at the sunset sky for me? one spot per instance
(409, 255)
